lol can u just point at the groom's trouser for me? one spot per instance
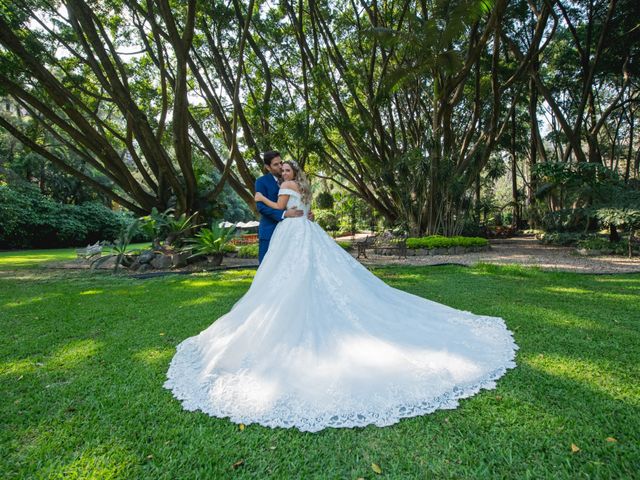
(263, 246)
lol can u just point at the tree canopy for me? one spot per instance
(410, 106)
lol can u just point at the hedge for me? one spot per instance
(29, 219)
(438, 241)
(248, 251)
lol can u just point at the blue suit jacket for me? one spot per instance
(269, 217)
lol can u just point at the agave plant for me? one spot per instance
(212, 241)
(120, 248)
(155, 225)
(177, 227)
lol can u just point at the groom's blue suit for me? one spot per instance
(269, 217)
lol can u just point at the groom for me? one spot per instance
(269, 185)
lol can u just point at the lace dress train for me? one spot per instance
(318, 341)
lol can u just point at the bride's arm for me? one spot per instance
(281, 204)
(283, 198)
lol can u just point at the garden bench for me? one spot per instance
(362, 245)
(89, 251)
(383, 245)
(390, 245)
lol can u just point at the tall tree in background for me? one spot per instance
(409, 99)
(406, 104)
(110, 82)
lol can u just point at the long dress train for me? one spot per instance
(318, 341)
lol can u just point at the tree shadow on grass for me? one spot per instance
(61, 394)
(126, 417)
(556, 312)
(109, 390)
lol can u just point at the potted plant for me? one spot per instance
(211, 242)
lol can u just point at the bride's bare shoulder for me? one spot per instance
(290, 185)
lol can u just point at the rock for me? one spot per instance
(197, 259)
(127, 261)
(108, 264)
(458, 250)
(162, 262)
(179, 260)
(145, 267)
(215, 260)
(146, 257)
(135, 265)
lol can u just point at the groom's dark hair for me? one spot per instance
(270, 155)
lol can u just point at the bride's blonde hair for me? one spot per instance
(301, 180)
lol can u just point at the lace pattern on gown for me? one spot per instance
(318, 341)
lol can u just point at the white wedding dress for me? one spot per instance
(318, 341)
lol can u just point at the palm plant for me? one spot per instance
(212, 242)
(155, 225)
(177, 227)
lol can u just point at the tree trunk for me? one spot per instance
(515, 221)
(614, 236)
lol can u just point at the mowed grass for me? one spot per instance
(21, 259)
(83, 359)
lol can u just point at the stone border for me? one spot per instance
(521, 250)
(421, 252)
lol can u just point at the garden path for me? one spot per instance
(522, 251)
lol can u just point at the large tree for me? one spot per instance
(114, 81)
(406, 104)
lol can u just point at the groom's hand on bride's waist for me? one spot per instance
(311, 216)
(293, 212)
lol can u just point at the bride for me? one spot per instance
(318, 341)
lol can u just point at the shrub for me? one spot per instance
(437, 241)
(101, 223)
(248, 251)
(324, 200)
(595, 243)
(345, 245)
(326, 219)
(561, 238)
(605, 246)
(565, 220)
(471, 228)
(29, 219)
(229, 248)
(212, 241)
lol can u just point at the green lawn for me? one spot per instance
(83, 358)
(20, 259)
